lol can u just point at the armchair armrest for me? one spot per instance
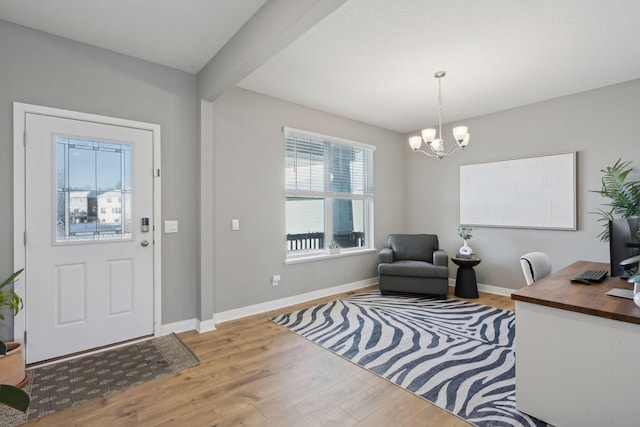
(385, 255)
(440, 258)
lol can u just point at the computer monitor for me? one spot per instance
(623, 243)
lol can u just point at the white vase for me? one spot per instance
(465, 249)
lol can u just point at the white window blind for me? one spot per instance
(320, 166)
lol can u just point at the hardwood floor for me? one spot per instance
(254, 372)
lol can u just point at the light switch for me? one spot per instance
(235, 224)
(171, 226)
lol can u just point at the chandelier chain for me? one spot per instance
(440, 106)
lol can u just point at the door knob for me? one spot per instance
(144, 243)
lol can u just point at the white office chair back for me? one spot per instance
(535, 266)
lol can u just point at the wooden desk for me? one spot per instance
(556, 290)
(577, 351)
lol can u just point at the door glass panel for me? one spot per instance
(93, 201)
(109, 168)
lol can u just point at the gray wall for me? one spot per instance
(38, 68)
(249, 185)
(601, 125)
(413, 193)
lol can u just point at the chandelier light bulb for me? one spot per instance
(437, 146)
(428, 135)
(415, 142)
(460, 133)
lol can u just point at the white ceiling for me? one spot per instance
(373, 60)
(182, 34)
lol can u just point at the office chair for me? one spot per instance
(535, 266)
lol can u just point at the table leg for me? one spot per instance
(466, 284)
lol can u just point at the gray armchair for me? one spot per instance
(413, 263)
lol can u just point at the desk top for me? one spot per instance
(556, 290)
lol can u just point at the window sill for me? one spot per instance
(326, 255)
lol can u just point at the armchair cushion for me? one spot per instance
(410, 268)
(419, 247)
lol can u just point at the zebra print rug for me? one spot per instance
(455, 354)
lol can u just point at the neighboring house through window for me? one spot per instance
(329, 194)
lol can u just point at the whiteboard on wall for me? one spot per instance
(533, 192)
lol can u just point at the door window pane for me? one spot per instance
(93, 201)
(80, 167)
(108, 169)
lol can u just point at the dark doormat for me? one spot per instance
(73, 382)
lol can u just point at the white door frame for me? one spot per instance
(19, 200)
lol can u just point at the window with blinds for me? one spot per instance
(329, 188)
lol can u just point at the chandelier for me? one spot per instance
(434, 140)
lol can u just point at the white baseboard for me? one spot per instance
(237, 313)
(177, 327)
(206, 326)
(497, 290)
(490, 289)
(225, 316)
(210, 324)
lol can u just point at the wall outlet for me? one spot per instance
(275, 280)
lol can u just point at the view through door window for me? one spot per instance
(93, 200)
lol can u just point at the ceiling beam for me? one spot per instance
(272, 28)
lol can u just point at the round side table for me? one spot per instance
(466, 284)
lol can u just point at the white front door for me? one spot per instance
(89, 261)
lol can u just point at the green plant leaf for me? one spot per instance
(11, 278)
(14, 397)
(3, 348)
(465, 232)
(10, 298)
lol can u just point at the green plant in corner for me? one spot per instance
(623, 195)
(9, 394)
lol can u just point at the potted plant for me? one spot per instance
(12, 369)
(465, 233)
(623, 195)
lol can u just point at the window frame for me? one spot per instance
(329, 198)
